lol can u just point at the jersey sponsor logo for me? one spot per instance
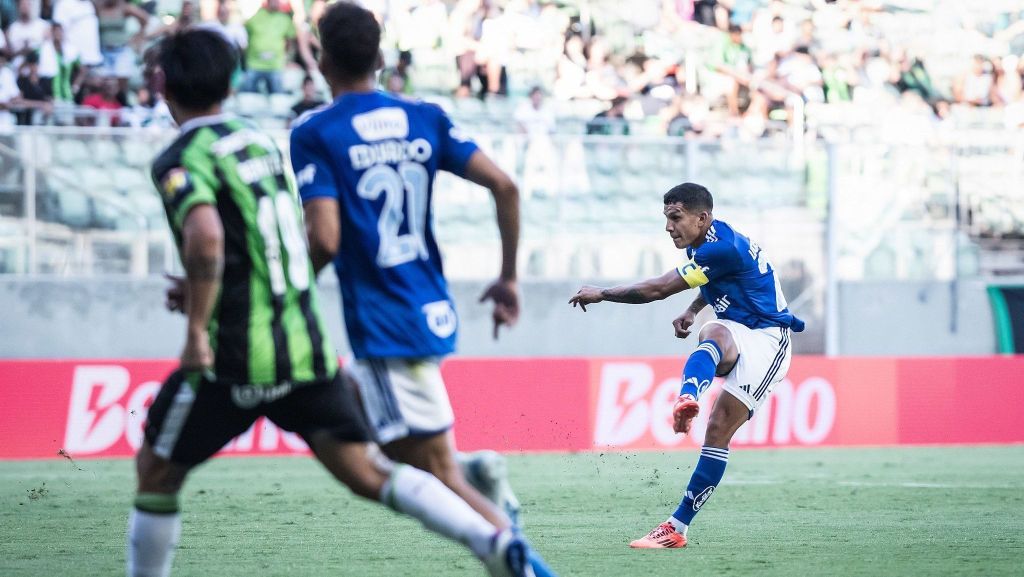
(441, 318)
(249, 396)
(702, 498)
(305, 176)
(381, 124)
(175, 181)
(721, 304)
(364, 156)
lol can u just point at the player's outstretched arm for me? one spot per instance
(684, 321)
(652, 289)
(480, 169)
(323, 230)
(202, 254)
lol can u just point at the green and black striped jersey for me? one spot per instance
(266, 328)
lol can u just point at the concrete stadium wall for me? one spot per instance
(916, 318)
(125, 318)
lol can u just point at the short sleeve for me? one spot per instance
(186, 185)
(313, 174)
(711, 261)
(456, 147)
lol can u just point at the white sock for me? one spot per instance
(679, 525)
(152, 539)
(419, 494)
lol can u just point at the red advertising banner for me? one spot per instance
(98, 408)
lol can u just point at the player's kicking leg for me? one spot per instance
(749, 380)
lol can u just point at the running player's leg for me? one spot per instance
(189, 421)
(328, 417)
(436, 454)
(410, 416)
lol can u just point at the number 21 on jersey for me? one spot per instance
(406, 185)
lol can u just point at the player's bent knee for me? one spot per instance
(717, 333)
(158, 475)
(723, 339)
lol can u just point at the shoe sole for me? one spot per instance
(688, 412)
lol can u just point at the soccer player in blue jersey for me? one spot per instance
(256, 344)
(365, 167)
(748, 344)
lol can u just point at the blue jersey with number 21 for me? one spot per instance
(377, 156)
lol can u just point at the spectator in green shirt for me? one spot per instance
(732, 61)
(271, 31)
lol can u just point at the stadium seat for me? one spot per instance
(74, 208)
(281, 105)
(95, 180)
(68, 151)
(291, 80)
(251, 104)
(103, 151)
(132, 182)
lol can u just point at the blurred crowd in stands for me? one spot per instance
(675, 67)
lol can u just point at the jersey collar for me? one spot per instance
(204, 121)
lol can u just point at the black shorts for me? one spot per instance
(192, 418)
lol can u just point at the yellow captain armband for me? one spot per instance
(693, 274)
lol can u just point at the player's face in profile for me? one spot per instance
(682, 225)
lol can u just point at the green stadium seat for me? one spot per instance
(68, 151)
(74, 208)
(103, 151)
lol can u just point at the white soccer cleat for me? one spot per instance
(510, 556)
(487, 472)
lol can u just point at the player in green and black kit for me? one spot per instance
(256, 345)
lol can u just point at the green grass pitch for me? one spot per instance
(905, 511)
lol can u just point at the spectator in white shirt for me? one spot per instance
(536, 120)
(9, 93)
(27, 33)
(81, 28)
(233, 31)
(534, 117)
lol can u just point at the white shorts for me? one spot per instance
(764, 357)
(402, 397)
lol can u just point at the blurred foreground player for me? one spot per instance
(748, 344)
(365, 166)
(256, 344)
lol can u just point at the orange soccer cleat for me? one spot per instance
(685, 409)
(663, 536)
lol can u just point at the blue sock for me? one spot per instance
(700, 369)
(707, 475)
